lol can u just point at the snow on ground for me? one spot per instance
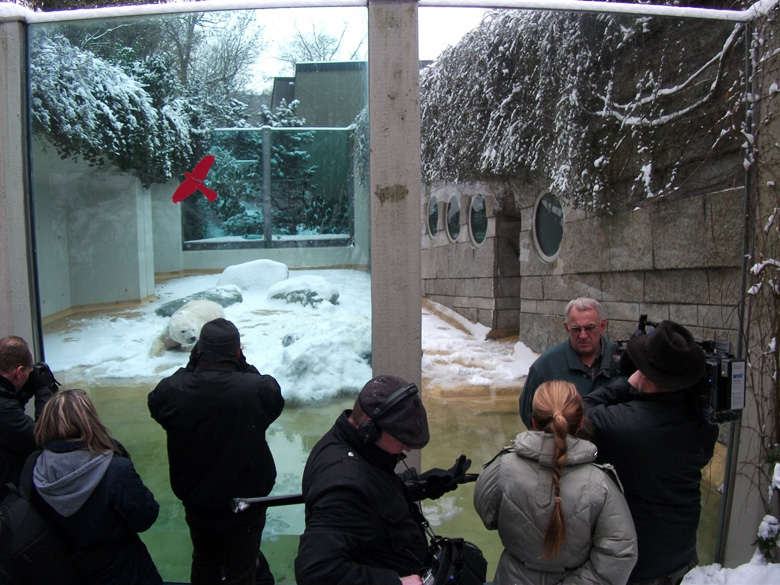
(457, 356)
(756, 572)
(316, 352)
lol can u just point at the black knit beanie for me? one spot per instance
(219, 336)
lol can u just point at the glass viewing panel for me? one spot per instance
(453, 217)
(548, 226)
(306, 174)
(478, 219)
(132, 215)
(168, 150)
(433, 216)
(625, 109)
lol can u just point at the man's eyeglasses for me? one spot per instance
(576, 329)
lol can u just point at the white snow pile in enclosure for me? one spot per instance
(315, 350)
(257, 274)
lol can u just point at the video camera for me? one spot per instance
(720, 392)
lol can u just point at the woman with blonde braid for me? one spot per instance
(561, 518)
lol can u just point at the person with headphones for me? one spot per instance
(362, 525)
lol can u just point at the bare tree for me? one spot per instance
(319, 44)
(216, 48)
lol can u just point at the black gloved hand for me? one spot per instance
(195, 354)
(243, 365)
(439, 481)
(40, 378)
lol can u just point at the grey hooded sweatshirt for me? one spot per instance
(514, 494)
(66, 480)
(98, 503)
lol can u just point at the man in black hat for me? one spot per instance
(362, 525)
(650, 428)
(216, 412)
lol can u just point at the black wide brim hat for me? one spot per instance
(668, 356)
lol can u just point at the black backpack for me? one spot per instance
(31, 552)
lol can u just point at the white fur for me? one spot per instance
(184, 326)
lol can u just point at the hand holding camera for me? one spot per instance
(194, 359)
(40, 378)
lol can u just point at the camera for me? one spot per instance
(723, 385)
(720, 394)
(428, 578)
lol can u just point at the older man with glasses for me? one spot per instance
(585, 358)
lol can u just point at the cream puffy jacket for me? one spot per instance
(514, 495)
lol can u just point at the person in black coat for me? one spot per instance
(20, 380)
(362, 525)
(651, 429)
(216, 412)
(85, 485)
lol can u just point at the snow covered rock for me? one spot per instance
(254, 275)
(306, 290)
(224, 296)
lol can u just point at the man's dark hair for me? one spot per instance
(14, 352)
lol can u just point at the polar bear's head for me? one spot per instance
(185, 324)
(185, 331)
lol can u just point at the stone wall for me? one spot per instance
(481, 281)
(670, 259)
(678, 259)
(756, 438)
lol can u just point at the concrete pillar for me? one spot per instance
(394, 163)
(16, 314)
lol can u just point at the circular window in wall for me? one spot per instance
(548, 227)
(453, 218)
(433, 216)
(478, 219)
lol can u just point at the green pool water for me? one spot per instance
(476, 427)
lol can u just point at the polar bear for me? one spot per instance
(184, 326)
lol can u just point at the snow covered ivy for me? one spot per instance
(604, 108)
(131, 116)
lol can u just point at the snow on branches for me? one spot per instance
(600, 106)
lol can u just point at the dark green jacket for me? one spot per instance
(561, 362)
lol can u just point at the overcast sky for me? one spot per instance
(438, 29)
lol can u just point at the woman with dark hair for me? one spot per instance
(560, 517)
(85, 484)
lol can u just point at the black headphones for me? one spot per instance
(369, 430)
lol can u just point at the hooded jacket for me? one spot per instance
(98, 504)
(514, 494)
